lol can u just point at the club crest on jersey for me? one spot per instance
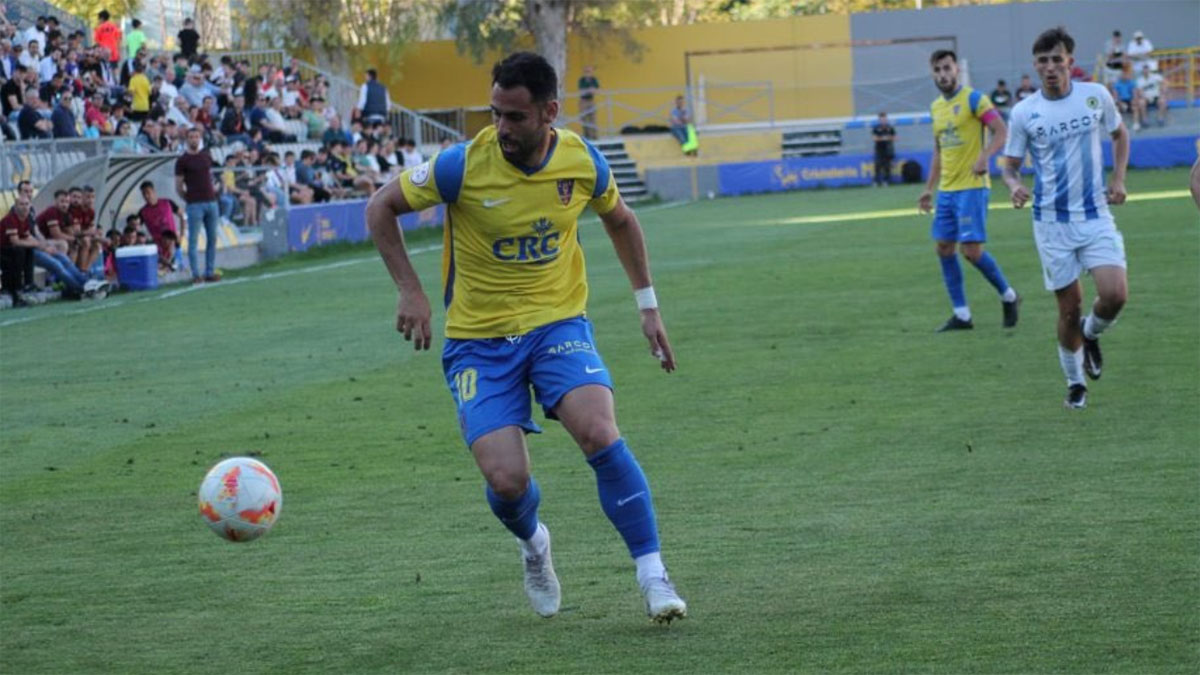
(538, 249)
(420, 174)
(565, 189)
(1093, 102)
(957, 108)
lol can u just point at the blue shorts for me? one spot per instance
(961, 215)
(490, 378)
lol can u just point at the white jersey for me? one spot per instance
(1063, 136)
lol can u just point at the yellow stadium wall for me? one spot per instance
(806, 83)
(661, 150)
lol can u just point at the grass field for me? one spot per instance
(838, 488)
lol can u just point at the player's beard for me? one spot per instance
(947, 89)
(522, 150)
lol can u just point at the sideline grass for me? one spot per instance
(838, 488)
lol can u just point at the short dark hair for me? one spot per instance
(130, 218)
(1051, 38)
(103, 15)
(529, 70)
(146, 184)
(60, 193)
(941, 54)
(76, 189)
(137, 23)
(372, 73)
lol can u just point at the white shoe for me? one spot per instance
(541, 584)
(663, 604)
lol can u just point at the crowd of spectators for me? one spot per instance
(62, 86)
(1130, 72)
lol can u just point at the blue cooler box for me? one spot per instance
(137, 267)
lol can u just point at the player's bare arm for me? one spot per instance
(412, 310)
(1116, 182)
(995, 124)
(630, 244)
(1012, 178)
(1194, 182)
(925, 201)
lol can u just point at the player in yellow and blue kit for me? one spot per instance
(515, 289)
(961, 116)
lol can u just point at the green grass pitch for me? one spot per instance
(838, 488)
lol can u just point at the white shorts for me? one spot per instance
(1067, 249)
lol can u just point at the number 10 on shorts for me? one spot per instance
(464, 382)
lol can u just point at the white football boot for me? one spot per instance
(663, 604)
(541, 584)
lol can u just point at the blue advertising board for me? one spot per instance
(827, 172)
(318, 224)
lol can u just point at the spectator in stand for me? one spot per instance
(412, 157)
(335, 133)
(193, 180)
(306, 176)
(1139, 52)
(681, 122)
(150, 137)
(30, 122)
(885, 149)
(1002, 99)
(134, 40)
(167, 92)
(364, 163)
(32, 56)
(94, 114)
(108, 35)
(291, 98)
(189, 40)
(139, 91)
(588, 86)
(63, 117)
(1114, 58)
(1149, 90)
(49, 90)
(36, 32)
(12, 92)
(163, 220)
(1078, 74)
(373, 99)
(48, 64)
(314, 118)
(123, 141)
(194, 88)
(273, 124)
(1026, 89)
(1124, 90)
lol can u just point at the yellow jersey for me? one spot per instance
(959, 124)
(139, 89)
(512, 259)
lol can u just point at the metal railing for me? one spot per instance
(39, 161)
(1180, 69)
(342, 94)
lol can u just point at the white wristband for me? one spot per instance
(645, 298)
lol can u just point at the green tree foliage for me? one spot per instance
(88, 9)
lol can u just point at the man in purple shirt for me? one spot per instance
(193, 181)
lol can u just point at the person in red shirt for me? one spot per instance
(55, 223)
(194, 181)
(16, 251)
(108, 35)
(160, 217)
(87, 237)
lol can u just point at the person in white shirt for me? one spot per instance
(1138, 52)
(1149, 88)
(31, 56)
(36, 32)
(412, 157)
(1062, 127)
(48, 66)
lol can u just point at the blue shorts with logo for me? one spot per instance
(961, 215)
(490, 378)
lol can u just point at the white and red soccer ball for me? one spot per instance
(240, 499)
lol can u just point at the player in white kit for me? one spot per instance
(1061, 126)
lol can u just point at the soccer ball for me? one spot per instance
(240, 499)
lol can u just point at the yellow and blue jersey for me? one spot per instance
(959, 125)
(512, 260)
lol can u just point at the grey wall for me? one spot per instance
(996, 39)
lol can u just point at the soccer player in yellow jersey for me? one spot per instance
(515, 290)
(961, 117)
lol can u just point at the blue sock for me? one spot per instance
(953, 276)
(625, 497)
(991, 269)
(518, 515)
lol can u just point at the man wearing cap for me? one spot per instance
(1139, 52)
